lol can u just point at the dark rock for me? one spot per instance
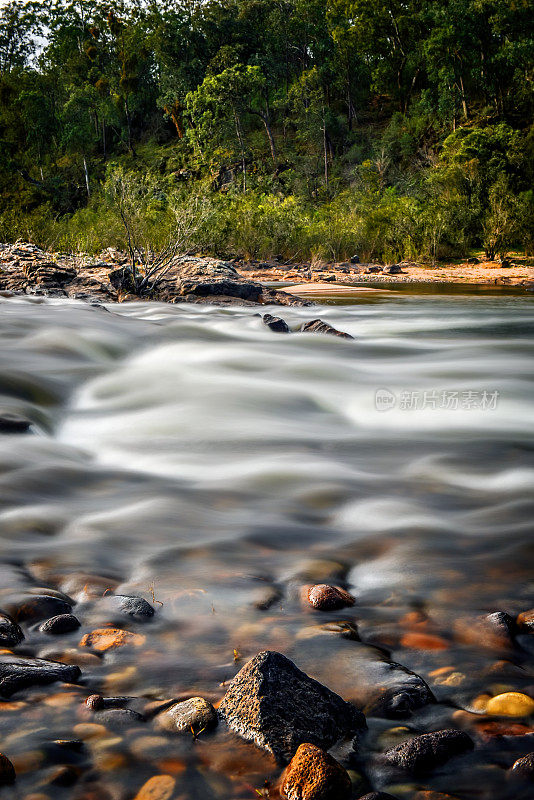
(395, 269)
(34, 608)
(355, 259)
(495, 630)
(524, 767)
(318, 326)
(95, 702)
(13, 423)
(63, 775)
(506, 263)
(273, 703)
(325, 597)
(525, 621)
(62, 623)
(314, 775)
(118, 718)
(209, 276)
(132, 606)
(378, 796)
(398, 701)
(18, 673)
(193, 715)
(122, 279)
(473, 260)
(329, 278)
(10, 633)
(276, 324)
(374, 270)
(424, 753)
(7, 771)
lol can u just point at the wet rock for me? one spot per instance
(398, 702)
(325, 597)
(193, 715)
(319, 326)
(495, 630)
(525, 621)
(159, 787)
(17, 673)
(314, 775)
(424, 753)
(13, 423)
(7, 771)
(10, 633)
(355, 259)
(414, 640)
(524, 767)
(266, 597)
(103, 639)
(62, 623)
(378, 796)
(118, 718)
(510, 704)
(63, 775)
(276, 324)
(395, 269)
(34, 608)
(209, 276)
(83, 586)
(95, 702)
(132, 606)
(273, 703)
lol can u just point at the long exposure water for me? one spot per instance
(190, 455)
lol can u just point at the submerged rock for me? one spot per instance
(193, 715)
(13, 423)
(399, 700)
(10, 633)
(524, 767)
(271, 702)
(424, 753)
(103, 639)
(325, 597)
(7, 771)
(18, 673)
(132, 606)
(510, 704)
(118, 718)
(314, 775)
(276, 324)
(319, 326)
(34, 608)
(62, 623)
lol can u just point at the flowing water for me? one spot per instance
(190, 455)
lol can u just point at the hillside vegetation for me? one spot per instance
(299, 128)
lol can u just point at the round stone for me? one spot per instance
(510, 704)
(192, 716)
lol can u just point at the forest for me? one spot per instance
(297, 129)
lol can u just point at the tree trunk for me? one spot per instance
(242, 146)
(325, 148)
(86, 172)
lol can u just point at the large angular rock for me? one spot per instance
(319, 326)
(209, 276)
(18, 673)
(271, 702)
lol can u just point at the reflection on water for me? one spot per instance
(193, 453)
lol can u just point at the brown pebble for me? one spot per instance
(103, 639)
(160, 787)
(7, 771)
(95, 702)
(313, 774)
(525, 621)
(325, 597)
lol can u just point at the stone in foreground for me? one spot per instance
(7, 771)
(271, 702)
(276, 324)
(18, 673)
(193, 715)
(424, 753)
(314, 775)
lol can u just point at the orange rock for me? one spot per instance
(525, 621)
(436, 673)
(160, 787)
(423, 641)
(325, 597)
(313, 774)
(489, 730)
(427, 794)
(103, 639)
(172, 765)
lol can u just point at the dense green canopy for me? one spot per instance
(318, 126)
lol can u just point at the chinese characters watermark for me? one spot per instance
(437, 400)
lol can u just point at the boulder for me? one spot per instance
(314, 775)
(209, 276)
(274, 704)
(193, 715)
(18, 673)
(276, 324)
(318, 326)
(424, 753)
(13, 423)
(131, 606)
(395, 269)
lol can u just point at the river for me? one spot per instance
(190, 455)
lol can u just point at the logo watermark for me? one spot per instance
(437, 400)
